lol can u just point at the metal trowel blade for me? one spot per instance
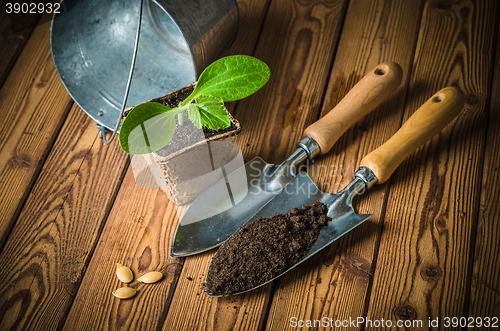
(301, 192)
(223, 208)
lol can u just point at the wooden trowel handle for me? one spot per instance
(424, 124)
(365, 96)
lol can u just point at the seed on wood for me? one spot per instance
(125, 293)
(151, 277)
(124, 273)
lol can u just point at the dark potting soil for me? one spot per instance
(187, 134)
(265, 248)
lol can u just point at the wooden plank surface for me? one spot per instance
(138, 233)
(485, 282)
(70, 210)
(46, 254)
(336, 282)
(426, 250)
(11, 43)
(33, 104)
(297, 41)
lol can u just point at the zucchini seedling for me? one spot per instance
(150, 126)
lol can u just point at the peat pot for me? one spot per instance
(194, 160)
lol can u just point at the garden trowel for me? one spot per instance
(223, 208)
(375, 167)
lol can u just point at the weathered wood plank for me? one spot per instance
(46, 254)
(11, 43)
(34, 104)
(297, 41)
(485, 283)
(138, 233)
(336, 282)
(425, 255)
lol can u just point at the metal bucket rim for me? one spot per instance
(163, 10)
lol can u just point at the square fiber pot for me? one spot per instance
(184, 169)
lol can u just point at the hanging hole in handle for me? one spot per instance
(380, 71)
(438, 98)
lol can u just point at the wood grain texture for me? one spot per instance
(33, 104)
(485, 283)
(297, 42)
(425, 123)
(192, 309)
(424, 260)
(190, 299)
(251, 17)
(137, 234)
(11, 43)
(336, 282)
(431, 248)
(46, 254)
(373, 89)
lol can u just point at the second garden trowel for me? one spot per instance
(246, 274)
(223, 208)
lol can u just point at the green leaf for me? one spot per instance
(147, 128)
(211, 113)
(150, 126)
(231, 78)
(194, 115)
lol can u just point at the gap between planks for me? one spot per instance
(295, 42)
(49, 248)
(34, 105)
(436, 190)
(12, 42)
(485, 286)
(131, 243)
(337, 281)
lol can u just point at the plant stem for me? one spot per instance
(188, 100)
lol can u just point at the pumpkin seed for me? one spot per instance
(125, 293)
(151, 277)
(124, 273)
